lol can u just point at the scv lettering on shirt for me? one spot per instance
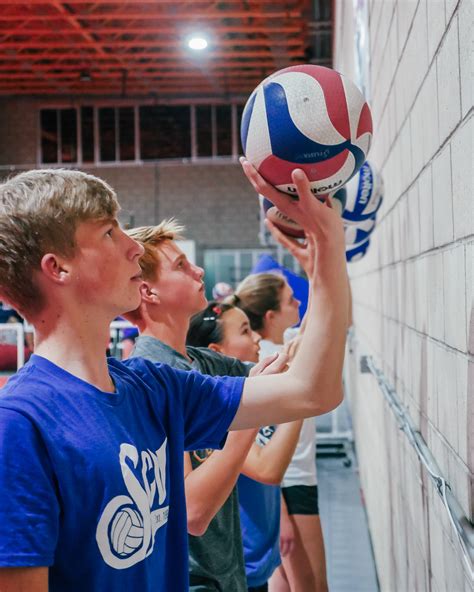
(126, 530)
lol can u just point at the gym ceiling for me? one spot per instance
(138, 48)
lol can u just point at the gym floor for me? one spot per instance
(351, 567)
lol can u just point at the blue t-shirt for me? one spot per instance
(92, 483)
(260, 520)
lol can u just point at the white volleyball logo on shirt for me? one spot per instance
(126, 531)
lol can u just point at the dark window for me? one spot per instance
(87, 133)
(107, 133)
(49, 135)
(204, 130)
(224, 130)
(68, 135)
(165, 132)
(240, 110)
(127, 133)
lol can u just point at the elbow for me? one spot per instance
(333, 398)
(271, 480)
(336, 398)
(272, 476)
(276, 478)
(197, 524)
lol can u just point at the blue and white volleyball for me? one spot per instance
(360, 233)
(307, 117)
(364, 195)
(356, 252)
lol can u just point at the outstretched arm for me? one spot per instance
(313, 384)
(209, 485)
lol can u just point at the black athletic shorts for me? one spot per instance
(301, 499)
(262, 588)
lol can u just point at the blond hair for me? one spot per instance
(151, 237)
(39, 213)
(257, 294)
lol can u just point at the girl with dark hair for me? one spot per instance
(226, 329)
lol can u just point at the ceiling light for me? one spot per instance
(197, 43)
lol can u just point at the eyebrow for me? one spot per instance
(107, 221)
(179, 258)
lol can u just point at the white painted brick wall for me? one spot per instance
(446, 391)
(413, 292)
(442, 198)
(462, 166)
(435, 295)
(455, 321)
(464, 409)
(425, 191)
(470, 296)
(419, 128)
(465, 19)
(436, 25)
(449, 95)
(450, 5)
(429, 116)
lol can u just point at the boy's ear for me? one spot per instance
(55, 268)
(269, 316)
(215, 347)
(149, 294)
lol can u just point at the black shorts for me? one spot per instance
(301, 499)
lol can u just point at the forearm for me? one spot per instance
(308, 311)
(24, 579)
(350, 319)
(209, 485)
(320, 356)
(283, 510)
(268, 463)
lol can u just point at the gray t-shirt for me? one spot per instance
(216, 561)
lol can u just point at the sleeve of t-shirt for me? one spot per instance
(207, 404)
(29, 509)
(210, 405)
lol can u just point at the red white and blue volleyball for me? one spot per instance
(308, 117)
(364, 195)
(289, 226)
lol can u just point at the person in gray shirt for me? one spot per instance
(215, 543)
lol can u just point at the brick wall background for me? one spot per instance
(413, 291)
(214, 201)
